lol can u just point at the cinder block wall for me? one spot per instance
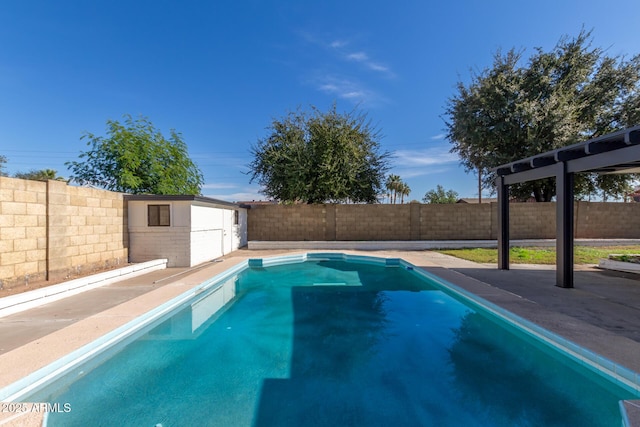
(372, 222)
(91, 226)
(23, 229)
(601, 220)
(51, 231)
(442, 222)
(416, 221)
(531, 221)
(288, 222)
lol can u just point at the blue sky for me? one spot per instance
(220, 71)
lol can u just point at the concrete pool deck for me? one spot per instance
(602, 312)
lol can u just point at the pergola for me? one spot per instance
(617, 152)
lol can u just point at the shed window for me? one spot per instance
(158, 215)
(236, 217)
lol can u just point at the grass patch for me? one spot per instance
(533, 255)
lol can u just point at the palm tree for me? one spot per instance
(40, 175)
(405, 190)
(393, 185)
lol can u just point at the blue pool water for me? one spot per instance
(334, 343)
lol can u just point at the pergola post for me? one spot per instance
(503, 223)
(564, 227)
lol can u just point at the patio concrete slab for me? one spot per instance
(20, 328)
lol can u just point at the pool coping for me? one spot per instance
(118, 316)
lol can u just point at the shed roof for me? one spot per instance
(200, 199)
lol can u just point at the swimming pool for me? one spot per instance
(334, 340)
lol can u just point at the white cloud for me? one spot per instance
(346, 89)
(329, 87)
(378, 67)
(337, 44)
(415, 172)
(439, 136)
(354, 95)
(422, 158)
(358, 56)
(364, 59)
(218, 186)
(429, 161)
(341, 74)
(361, 57)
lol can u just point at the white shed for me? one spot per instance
(186, 230)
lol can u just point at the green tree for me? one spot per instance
(136, 158)
(509, 112)
(320, 157)
(440, 196)
(40, 175)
